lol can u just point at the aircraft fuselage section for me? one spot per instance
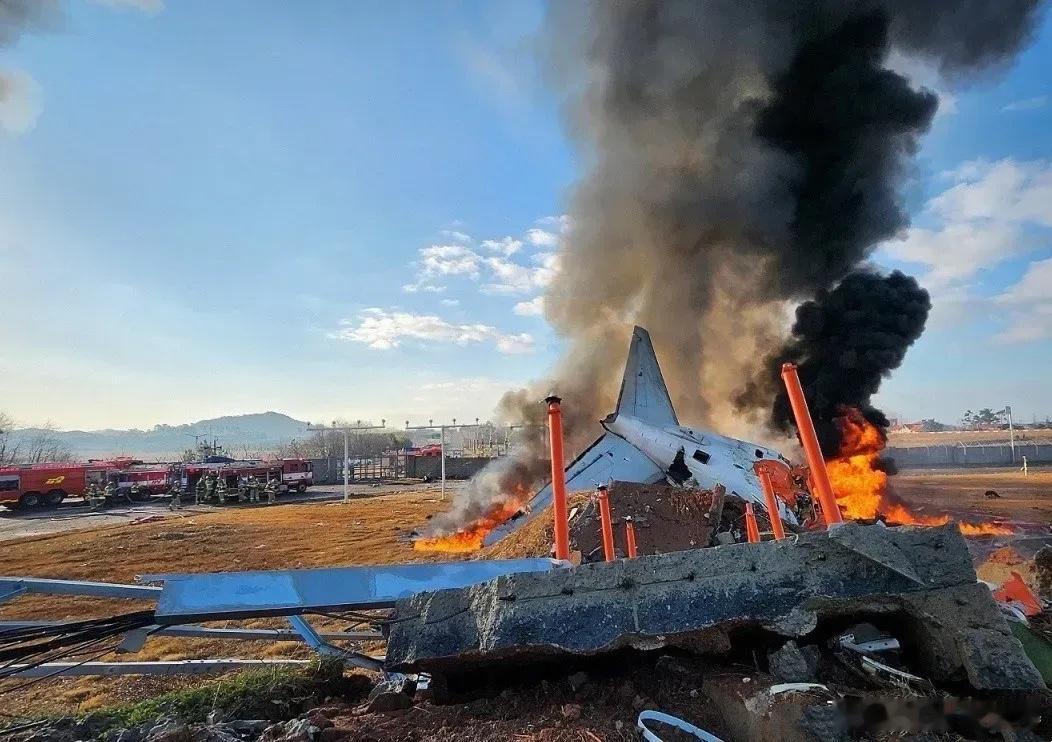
(710, 458)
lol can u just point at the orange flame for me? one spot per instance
(861, 485)
(470, 537)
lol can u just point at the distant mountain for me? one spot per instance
(239, 435)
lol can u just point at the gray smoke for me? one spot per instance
(740, 157)
(18, 106)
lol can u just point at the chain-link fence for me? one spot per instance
(970, 454)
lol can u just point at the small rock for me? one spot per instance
(169, 731)
(296, 730)
(793, 664)
(619, 725)
(991, 495)
(638, 702)
(212, 734)
(392, 695)
(318, 719)
(246, 727)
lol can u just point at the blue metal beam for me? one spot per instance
(223, 595)
(12, 586)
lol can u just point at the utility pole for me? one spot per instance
(346, 448)
(441, 443)
(1011, 430)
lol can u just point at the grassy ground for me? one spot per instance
(369, 530)
(365, 531)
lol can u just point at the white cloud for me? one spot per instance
(986, 217)
(1034, 286)
(449, 260)
(560, 223)
(450, 302)
(1004, 191)
(422, 285)
(1027, 104)
(1029, 303)
(146, 6)
(542, 238)
(958, 250)
(532, 308)
(505, 246)
(382, 329)
(515, 278)
(456, 235)
(20, 101)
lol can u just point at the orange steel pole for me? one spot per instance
(559, 510)
(772, 505)
(752, 531)
(809, 439)
(605, 523)
(630, 537)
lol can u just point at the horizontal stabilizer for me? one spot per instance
(608, 458)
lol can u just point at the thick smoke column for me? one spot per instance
(845, 341)
(739, 157)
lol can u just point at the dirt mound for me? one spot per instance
(666, 519)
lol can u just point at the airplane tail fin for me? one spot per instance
(643, 392)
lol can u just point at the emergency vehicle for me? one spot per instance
(47, 485)
(292, 474)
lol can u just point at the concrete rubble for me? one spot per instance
(919, 580)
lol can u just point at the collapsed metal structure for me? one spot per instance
(182, 601)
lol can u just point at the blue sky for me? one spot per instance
(349, 210)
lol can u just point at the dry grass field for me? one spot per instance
(368, 530)
(953, 437)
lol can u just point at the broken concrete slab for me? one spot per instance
(695, 599)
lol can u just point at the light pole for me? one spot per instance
(1011, 430)
(441, 443)
(346, 448)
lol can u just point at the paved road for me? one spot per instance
(75, 514)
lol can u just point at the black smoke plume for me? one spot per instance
(738, 158)
(845, 342)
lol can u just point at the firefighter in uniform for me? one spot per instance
(242, 488)
(272, 491)
(221, 490)
(136, 491)
(253, 489)
(199, 491)
(210, 487)
(95, 498)
(177, 495)
(107, 493)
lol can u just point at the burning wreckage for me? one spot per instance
(823, 606)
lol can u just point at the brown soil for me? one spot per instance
(1024, 501)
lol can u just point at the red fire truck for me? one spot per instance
(46, 485)
(36, 485)
(293, 474)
